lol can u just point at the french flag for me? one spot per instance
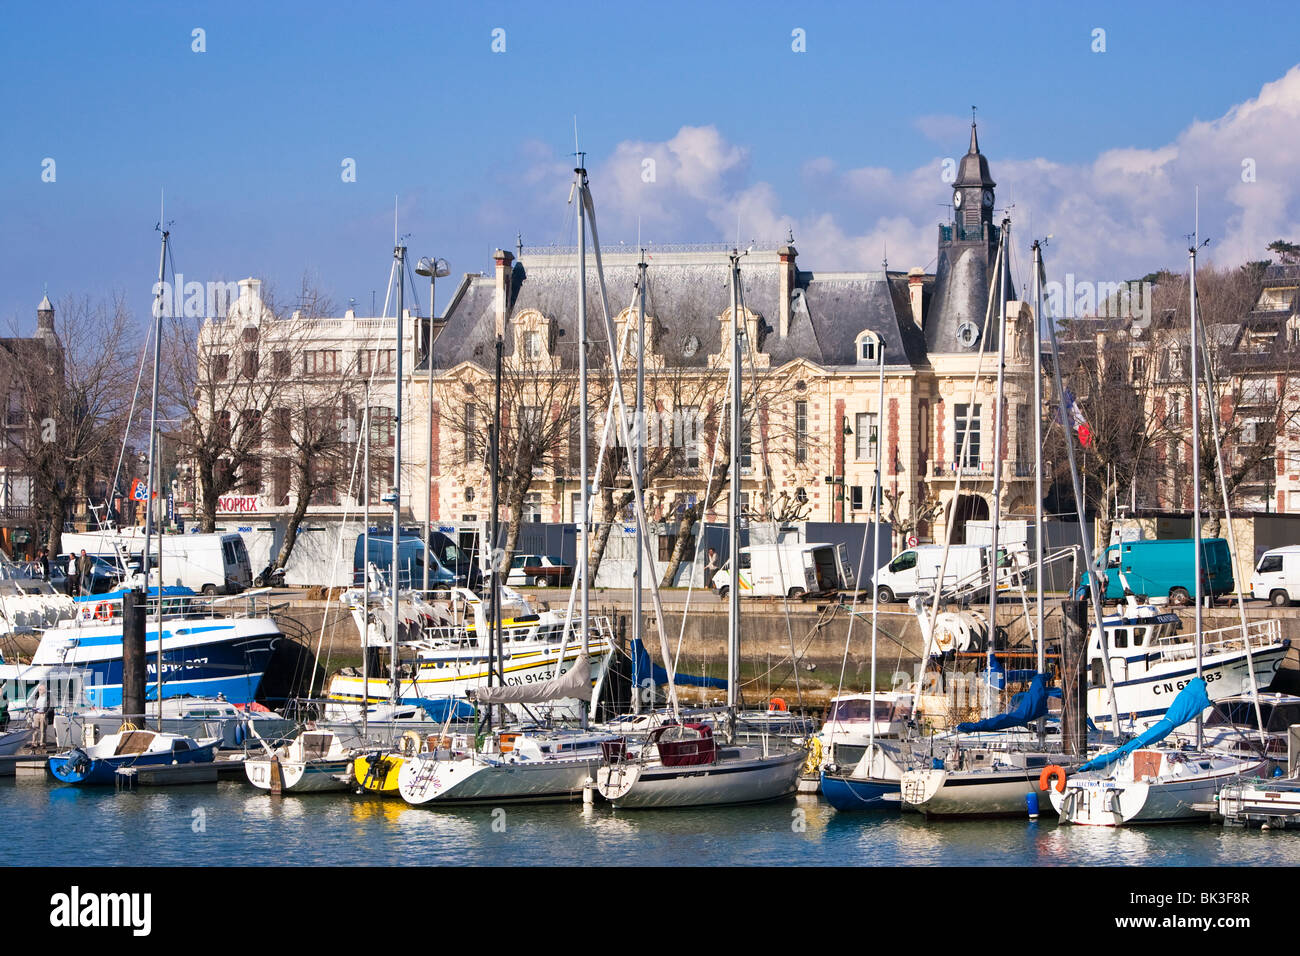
(1076, 419)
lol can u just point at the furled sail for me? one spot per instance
(644, 668)
(575, 682)
(1026, 708)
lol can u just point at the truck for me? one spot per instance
(1165, 568)
(1277, 576)
(208, 563)
(449, 565)
(917, 569)
(787, 570)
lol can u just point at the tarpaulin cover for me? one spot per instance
(1025, 709)
(1191, 700)
(643, 667)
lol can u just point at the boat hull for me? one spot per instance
(976, 793)
(632, 785)
(1108, 803)
(846, 794)
(311, 776)
(72, 769)
(467, 780)
(12, 741)
(1145, 698)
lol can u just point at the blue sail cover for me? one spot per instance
(446, 708)
(1191, 700)
(1025, 709)
(643, 667)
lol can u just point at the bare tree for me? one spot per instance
(67, 416)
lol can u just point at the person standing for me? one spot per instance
(43, 560)
(84, 572)
(40, 701)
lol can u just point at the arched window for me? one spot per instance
(868, 348)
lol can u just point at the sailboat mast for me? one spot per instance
(733, 503)
(494, 636)
(399, 255)
(153, 456)
(1095, 588)
(1196, 471)
(875, 595)
(998, 408)
(585, 496)
(638, 458)
(365, 567)
(1038, 470)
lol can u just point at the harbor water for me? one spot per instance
(230, 824)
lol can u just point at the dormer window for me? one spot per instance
(532, 342)
(868, 349)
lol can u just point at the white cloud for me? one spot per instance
(1121, 215)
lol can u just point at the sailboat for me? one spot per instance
(314, 761)
(682, 765)
(1151, 783)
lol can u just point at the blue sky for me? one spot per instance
(843, 143)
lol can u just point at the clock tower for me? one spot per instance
(968, 249)
(972, 193)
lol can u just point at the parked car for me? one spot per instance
(1277, 576)
(539, 571)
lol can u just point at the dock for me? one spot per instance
(175, 775)
(23, 765)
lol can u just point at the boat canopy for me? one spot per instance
(575, 682)
(1025, 709)
(643, 667)
(1191, 700)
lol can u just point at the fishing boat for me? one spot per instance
(449, 654)
(97, 764)
(1151, 661)
(315, 761)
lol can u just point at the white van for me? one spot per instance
(1277, 576)
(208, 563)
(917, 569)
(786, 570)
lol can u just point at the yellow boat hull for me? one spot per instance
(383, 778)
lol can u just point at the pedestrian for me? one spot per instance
(43, 559)
(84, 572)
(4, 711)
(711, 568)
(40, 701)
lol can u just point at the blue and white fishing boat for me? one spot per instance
(97, 764)
(209, 646)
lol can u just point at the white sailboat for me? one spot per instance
(1150, 783)
(315, 761)
(682, 765)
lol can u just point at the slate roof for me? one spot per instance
(686, 294)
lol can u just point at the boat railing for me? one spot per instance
(256, 603)
(450, 637)
(1224, 639)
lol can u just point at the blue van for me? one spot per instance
(448, 563)
(1167, 568)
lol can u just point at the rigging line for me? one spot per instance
(130, 418)
(1212, 404)
(751, 355)
(586, 198)
(927, 632)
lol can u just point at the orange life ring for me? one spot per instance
(1050, 771)
(777, 704)
(103, 611)
(508, 742)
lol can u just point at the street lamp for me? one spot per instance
(433, 268)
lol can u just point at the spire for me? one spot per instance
(974, 140)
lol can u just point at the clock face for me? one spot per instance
(988, 198)
(956, 200)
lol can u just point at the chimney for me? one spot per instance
(915, 282)
(787, 254)
(503, 260)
